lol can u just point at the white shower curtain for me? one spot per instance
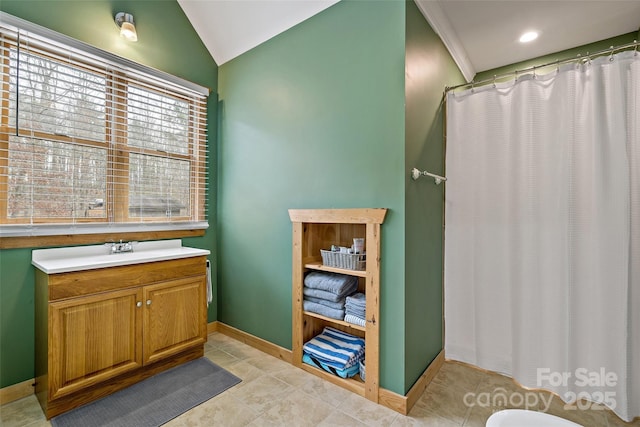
(542, 236)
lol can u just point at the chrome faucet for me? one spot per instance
(118, 248)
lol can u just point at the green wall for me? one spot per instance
(429, 68)
(166, 41)
(313, 118)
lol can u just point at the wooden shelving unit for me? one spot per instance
(316, 229)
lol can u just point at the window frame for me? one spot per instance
(6, 131)
(117, 216)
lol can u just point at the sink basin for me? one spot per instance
(77, 258)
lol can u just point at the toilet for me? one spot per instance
(526, 418)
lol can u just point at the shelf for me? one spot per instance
(355, 384)
(320, 267)
(345, 216)
(335, 321)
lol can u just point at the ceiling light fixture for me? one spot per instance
(127, 27)
(528, 36)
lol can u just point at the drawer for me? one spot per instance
(86, 282)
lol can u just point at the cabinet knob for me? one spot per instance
(139, 304)
(148, 302)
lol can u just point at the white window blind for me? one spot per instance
(89, 142)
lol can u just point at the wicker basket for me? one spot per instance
(341, 260)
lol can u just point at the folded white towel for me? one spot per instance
(209, 287)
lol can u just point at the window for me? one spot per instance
(87, 141)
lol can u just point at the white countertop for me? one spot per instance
(76, 258)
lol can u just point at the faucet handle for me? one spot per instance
(121, 246)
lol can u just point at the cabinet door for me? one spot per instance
(175, 317)
(93, 338)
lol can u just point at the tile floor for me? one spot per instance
(274, 393)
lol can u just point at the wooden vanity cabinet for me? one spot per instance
(173, 318)
(98, 331)
(93, 338)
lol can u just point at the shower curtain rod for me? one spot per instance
(611, 50)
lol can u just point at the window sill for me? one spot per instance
(35, 236)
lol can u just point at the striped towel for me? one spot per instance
(343, 373)
(350, 318)
(336, 348)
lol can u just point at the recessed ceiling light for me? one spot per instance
(528, 36)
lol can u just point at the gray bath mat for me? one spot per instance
(154, 401)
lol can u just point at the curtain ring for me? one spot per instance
(534, 72)
(611, 56)
(494, 81)
(473, 86)
(635, 49)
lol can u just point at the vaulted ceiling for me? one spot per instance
(480, 34)
(229, 28)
